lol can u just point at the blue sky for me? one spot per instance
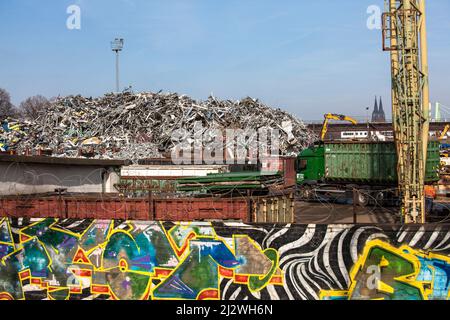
(307, 57)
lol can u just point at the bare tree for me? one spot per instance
(31, 107)
(7, 109)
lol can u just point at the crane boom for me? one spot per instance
(404, 35)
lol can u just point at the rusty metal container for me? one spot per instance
(270, 209)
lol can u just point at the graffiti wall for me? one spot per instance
(104, 259)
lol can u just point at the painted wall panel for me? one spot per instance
(105, 259)
(22, 179)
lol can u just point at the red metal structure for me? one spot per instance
(103, 207)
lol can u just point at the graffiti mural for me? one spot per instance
(385, 272)
(67, 259)
(62, 259)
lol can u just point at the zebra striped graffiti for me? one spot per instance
(129, 260)
(385, 272)
(331, 261)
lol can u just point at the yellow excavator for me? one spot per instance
(444, 132)
(332, 116)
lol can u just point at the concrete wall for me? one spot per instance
(110, 179)
(21, 178)
(95, 259)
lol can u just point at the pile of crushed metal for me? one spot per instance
(135, 126)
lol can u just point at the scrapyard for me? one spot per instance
(156, 195)
(137, 126)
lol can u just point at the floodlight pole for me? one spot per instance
(117, 46)
(117, 71)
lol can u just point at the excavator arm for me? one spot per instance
(444, 133)
(337, 117)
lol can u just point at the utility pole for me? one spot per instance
(117, 46)
(367, 123)
(404, 36)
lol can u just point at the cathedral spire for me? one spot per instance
(381, 114)
(375, 111)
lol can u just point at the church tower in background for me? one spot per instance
(381, 115)
(378, 114)
(375, 111)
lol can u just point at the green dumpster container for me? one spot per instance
(371, 162)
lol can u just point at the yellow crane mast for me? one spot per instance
(404, 35)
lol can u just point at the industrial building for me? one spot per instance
(383, 130)
(26, 175)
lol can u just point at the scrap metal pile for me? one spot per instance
(136, 126)
(12, 132)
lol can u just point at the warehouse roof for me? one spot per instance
(63, 161)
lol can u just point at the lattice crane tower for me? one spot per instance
(404, 35)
